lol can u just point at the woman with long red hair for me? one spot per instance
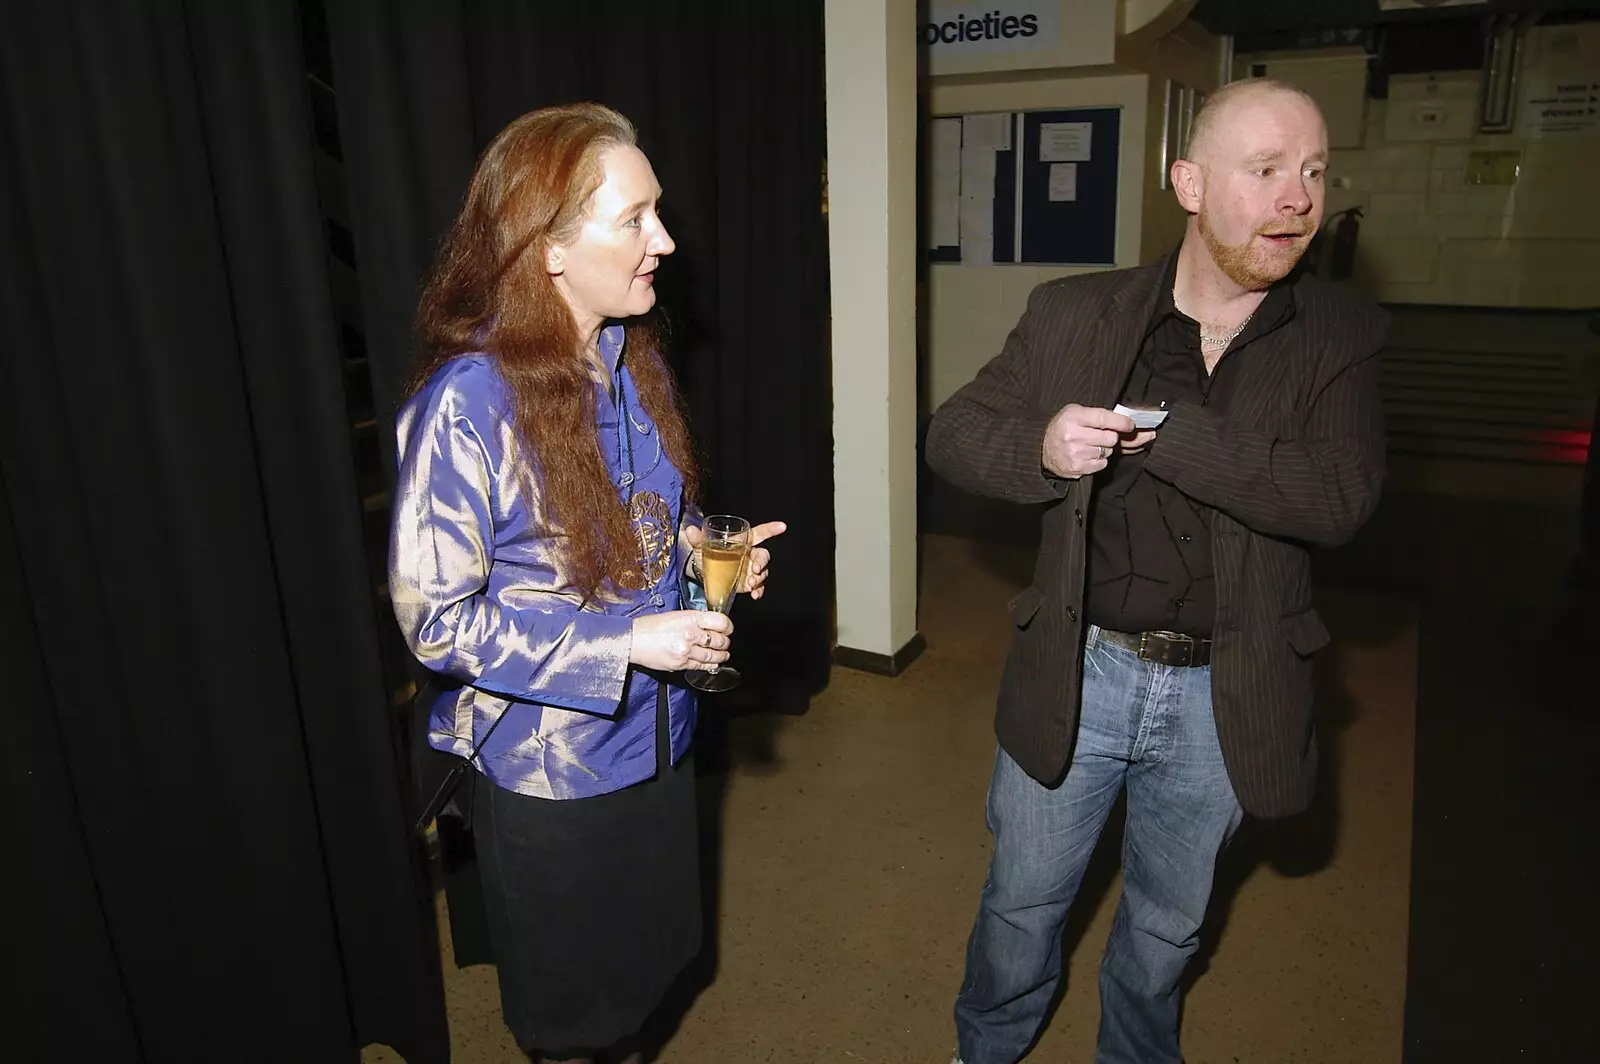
(541, 558)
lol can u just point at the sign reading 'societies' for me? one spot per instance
(1005, 26)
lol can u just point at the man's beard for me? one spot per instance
(1254, 268)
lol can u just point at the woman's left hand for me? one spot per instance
(755, 571)
(754, 582)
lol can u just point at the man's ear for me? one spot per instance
(1188, 184)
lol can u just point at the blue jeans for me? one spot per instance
(1148, 727)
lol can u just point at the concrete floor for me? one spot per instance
(853, 849)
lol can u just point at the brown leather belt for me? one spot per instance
(1163, 648)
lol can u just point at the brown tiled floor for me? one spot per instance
(854, 848)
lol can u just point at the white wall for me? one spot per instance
(872, 121)
(1430, 236)
(972, 308)
(1335, 77)
(1187, 55)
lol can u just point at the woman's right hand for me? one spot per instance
(681, 639)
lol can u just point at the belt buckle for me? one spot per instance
(1173, 640)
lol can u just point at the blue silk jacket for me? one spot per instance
(483, 596)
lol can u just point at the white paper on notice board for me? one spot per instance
(988, 131)
(1065, 142)
(977, 205)
(944, 188)
(1063, 182)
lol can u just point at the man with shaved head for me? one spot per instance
(1163, 649)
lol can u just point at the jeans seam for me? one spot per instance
(1147, 712)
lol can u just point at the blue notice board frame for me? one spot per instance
(1077, 232)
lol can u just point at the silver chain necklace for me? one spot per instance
(1224, 341)
(1215, 342)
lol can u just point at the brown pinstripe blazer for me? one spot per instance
(1297, 460)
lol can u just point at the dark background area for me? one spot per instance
(214, 222)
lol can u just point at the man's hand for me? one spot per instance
(1080, 440)
(1137, 442)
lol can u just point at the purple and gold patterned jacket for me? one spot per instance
(483, 596)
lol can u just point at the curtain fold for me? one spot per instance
(209, 755)
(202, 760)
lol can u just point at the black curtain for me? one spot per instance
(209, 856)
(202, 248)
(728, 99)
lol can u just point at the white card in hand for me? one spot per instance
(1142, 419)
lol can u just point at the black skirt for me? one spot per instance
(593, 904)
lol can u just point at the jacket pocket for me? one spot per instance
(1306, 632)
(1023, 607)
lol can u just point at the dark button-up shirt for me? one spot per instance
(1149, 544)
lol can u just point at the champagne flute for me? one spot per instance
(723, 558)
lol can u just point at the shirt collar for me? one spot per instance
(612, 338)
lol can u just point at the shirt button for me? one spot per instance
(657, 600)
(1179, 603)
(1078, 515)
(1185, 538)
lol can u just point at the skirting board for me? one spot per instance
(881, 664)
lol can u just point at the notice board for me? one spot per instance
(1024, 187)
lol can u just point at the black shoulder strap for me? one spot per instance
(452, 780)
